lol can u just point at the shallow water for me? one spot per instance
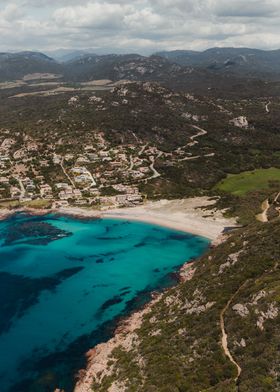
(64, 282)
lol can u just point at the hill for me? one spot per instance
(16, 65)
(239, 61)
(217, 331)
(216, 72)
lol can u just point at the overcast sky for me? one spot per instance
(142, 26)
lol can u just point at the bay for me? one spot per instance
(64, 284)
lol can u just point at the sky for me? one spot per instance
(142, 26)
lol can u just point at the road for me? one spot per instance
(66, 174)
(201, 132)
(225, 336)
(22, 194)
(156, 174)
(267, 107)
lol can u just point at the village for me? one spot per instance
(101, 175)
(57, 167)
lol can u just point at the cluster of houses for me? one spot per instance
(88, 175)
(82, 175)
(130, 196)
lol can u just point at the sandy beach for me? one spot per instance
(188, 215)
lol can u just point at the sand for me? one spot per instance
(188, 215)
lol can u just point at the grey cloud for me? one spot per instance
(139, 25)
(249, 8)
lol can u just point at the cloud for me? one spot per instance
(11, 12)
(139, 25)
(248, 8)
(92, 15)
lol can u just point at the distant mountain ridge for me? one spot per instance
(17, 65)
(64, 55)
(237, 60)
(174, 67)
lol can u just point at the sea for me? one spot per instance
(65, 283)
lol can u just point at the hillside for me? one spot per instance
(217, 331)
(219, 73)
(181, 133)
(17, 65)
(239, 61)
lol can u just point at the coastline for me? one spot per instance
(6, 213)
(99, 358)
(193, 215)
(185, 215)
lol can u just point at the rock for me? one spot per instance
(261, 294)
(231, 260)
(156, 333)
(270, 314)
(240, 122)
(240, 309)
(243, 342)
(187, 272)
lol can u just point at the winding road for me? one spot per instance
(156, 174)
(201, 132)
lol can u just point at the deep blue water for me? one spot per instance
(65, 282)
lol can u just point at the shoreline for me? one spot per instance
(191, 215)
(191, 219)
(99, 364)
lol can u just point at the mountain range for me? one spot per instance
(243, 61)
(82, 66)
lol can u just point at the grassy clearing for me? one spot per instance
(10, 204)
(240, 184)
(38, 203)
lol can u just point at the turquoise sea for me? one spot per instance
(64, 284)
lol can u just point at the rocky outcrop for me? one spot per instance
(240, 122)
(99, 358)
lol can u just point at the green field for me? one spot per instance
(240, 184)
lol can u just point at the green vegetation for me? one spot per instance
(178, 347)
(10, 204)
(146, 114)
(240, 184)
(38, 204)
